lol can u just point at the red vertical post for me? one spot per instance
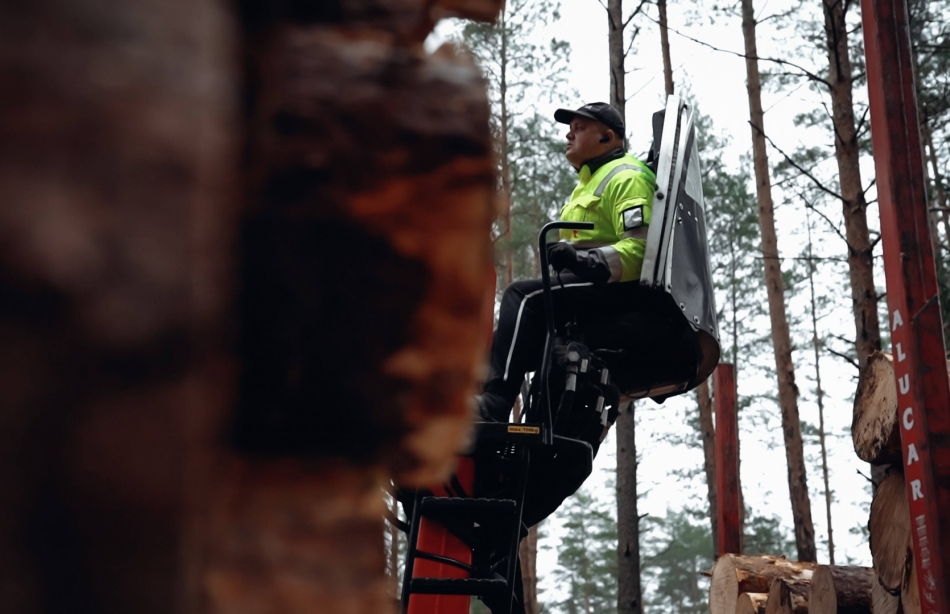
(727, 460)
(923, 392)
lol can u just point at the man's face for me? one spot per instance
(583, 141)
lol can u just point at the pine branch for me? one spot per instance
(634, 13)
(834, 226)
(843, 357)
(804, 72)
(797, 166)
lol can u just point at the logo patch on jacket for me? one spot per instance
(632, 217)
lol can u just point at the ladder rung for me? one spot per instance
(452, 586)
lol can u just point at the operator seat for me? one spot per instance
(669, 341)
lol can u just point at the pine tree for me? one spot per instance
(520, 67)
(587, 556)
(784, 367)
(678, 551)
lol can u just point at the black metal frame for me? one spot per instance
(520, 447)
(544, 394)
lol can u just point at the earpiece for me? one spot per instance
(605, 139)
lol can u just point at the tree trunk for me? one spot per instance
(874, 424)
(784, 368)
(528, 553)
(751, 603)
(735, 574)
(665, 48)
(629, 590)
(840, 590)
(860, 257)
(618, 94)
(709, 451)
(882, 601)
(787, 597)
(889, 527)
(504, 214)
(820, 394)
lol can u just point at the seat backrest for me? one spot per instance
(671, 338)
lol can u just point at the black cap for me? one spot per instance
(599, 111)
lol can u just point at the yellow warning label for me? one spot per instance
(525, 430)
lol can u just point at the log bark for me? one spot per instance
(910, 590)
(117, 209)
(838, 589)
(874, 425)
(775, 286)
(751, 603)
(126, 486)
(890, 528)
(883, 601)
(788, 597)
(368, 164)
(735, 574)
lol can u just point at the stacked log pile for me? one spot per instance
(876, 436)
(767, 584)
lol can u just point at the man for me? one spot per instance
(597, 269)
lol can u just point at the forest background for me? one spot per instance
(553, 55)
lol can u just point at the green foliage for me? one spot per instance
(587, 556)
(678, 550)
(522, 69)
(732, 225)
(765, 535)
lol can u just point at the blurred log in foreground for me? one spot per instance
(117, 218)
(142, 474)
(734, 574)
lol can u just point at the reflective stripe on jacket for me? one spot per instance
(618, 199)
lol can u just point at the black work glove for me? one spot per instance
(590, 265)
(562, 255)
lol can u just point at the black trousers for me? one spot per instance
(518, 341)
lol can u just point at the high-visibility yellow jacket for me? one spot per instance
(618, 199)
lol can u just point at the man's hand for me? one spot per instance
(589, 265)
(562, 255)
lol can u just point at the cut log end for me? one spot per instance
(874, 429)
(889, 527)
(840, 590)
(723, 587)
